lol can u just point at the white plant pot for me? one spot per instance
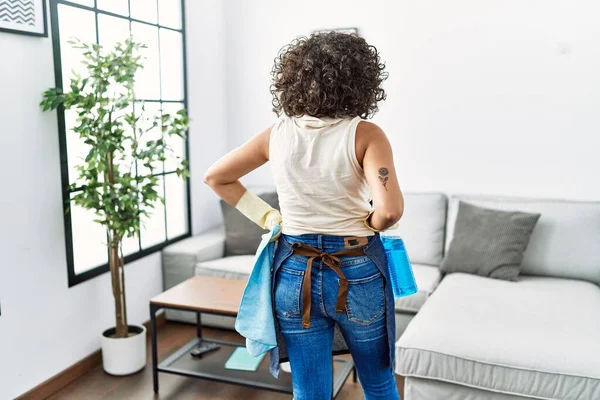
(124, 356)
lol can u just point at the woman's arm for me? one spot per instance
(373, 148)
(223, 176)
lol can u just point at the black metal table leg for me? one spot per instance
(154, 334)
(198, 325)
(354, 378)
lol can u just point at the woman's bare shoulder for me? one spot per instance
(367, 133)
(368, 128)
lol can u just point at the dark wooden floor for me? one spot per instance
(99, 385)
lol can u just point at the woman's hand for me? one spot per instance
(258, 211)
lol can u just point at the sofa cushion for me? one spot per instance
(488, 242)
(422, 227)
(243, 236)
(537, 337)
(179, 259)
(428, 278)
(427, 389)
(564, 242)
(232, 267)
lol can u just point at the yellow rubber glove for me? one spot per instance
(258, 211)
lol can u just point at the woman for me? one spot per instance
(337, 188)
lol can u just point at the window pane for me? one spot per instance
(171, 73)
(115, 6)
(130, 245)
(176, 203)
(176, 144)
(144, 10)
(74, 23)
(89, 3)
(112, 30)
(124, 158)
(153, 228)
(150, 109)
(147, 85)
(169, 13)
(89, 240)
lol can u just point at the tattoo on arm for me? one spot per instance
(383, 176)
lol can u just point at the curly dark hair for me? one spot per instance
(329, 74)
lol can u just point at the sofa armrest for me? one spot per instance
(179, 259)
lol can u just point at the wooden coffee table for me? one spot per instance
(219, 296)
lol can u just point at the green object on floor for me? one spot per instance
(242, 360)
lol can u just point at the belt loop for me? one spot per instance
(320, 241)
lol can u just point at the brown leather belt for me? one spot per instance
(333, 261)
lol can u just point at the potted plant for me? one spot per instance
(116, 129)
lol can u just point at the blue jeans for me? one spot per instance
(362, 325)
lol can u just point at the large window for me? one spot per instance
(160, 85)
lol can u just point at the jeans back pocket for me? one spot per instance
(288, 285)
(366, 301)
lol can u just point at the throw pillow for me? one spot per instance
(489, 242)
(243, 236)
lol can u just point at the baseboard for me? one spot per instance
(74, 372)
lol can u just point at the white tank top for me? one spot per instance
(320, 184)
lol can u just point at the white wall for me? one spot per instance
(205, 25)
(494, 97)
(46, 327)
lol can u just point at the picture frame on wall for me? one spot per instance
(341, 30)
(25, 17)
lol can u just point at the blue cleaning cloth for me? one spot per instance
(255, 320)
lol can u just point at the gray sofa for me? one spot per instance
(464, 336)
(539, 337)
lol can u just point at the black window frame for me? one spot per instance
(73, 278)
